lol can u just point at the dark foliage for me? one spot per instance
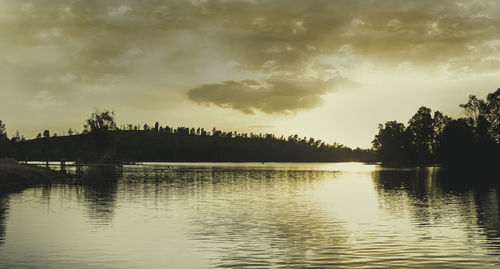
(5, 143)
(102, 141)
(438, 139)
(181, 144)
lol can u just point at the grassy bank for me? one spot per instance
(16, 177)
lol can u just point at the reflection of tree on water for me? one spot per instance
(97, 190)
(411, 192)
(99, 185)
(482, 188)
(418, 183)
(435, 196)
(4, 207)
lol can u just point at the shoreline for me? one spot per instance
(15, 177)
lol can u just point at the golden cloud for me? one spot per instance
(274, 95)
(101, 42)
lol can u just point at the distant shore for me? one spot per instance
(16, 177)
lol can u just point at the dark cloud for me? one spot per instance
(274, 95)
(74, 46)
(268, 36)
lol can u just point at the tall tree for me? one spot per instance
(439, 122)
(16, 138)
(4, 141)
(457, 145)
(474, 108)
(493, 114)
(391, 142)
(2, 129)
(100, 121)
(421, 133)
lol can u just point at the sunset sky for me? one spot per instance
(328, 69)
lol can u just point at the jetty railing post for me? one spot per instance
(63, 166)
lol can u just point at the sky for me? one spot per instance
(328, 69)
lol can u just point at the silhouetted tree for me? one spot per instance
(100, 121)
(440, 121)
(2, 129)
(493, 114)
(16, 138)
(474, 108)
(457, 143)
(392, 142)
(472, 140)
(484, 119)
(421, 133)
(4, 141)
(46, 133)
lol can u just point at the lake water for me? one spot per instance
(255, 215)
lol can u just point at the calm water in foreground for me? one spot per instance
(253, 216)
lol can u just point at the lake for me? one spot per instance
(253, 215)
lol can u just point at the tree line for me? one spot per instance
(102, 140)
(427, 139)
(434, 138)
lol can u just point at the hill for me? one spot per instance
(183, 145)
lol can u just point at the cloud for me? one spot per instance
(262, 126)
(265, 36)
(274, 95)
(286, 36)
(168, 46)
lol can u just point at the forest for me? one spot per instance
(430, 139)
(102, 141)
(427, 139)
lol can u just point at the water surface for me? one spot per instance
(164, 215)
